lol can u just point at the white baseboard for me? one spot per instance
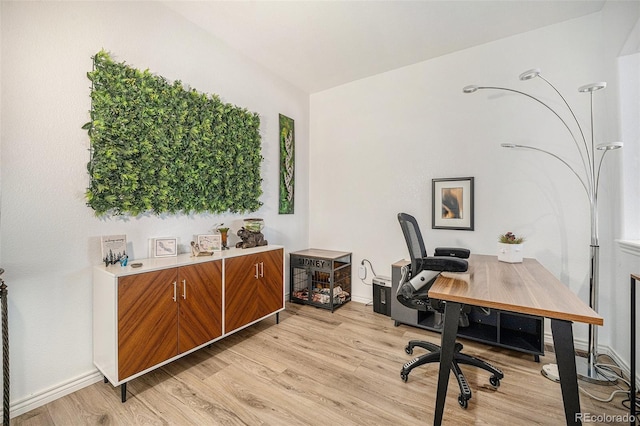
(363, 300)
(41, 398)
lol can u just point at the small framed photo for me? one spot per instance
(452, 203)
(210, 243)
(164, 247)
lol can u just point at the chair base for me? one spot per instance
(458, 358)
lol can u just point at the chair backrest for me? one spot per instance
(413, 238)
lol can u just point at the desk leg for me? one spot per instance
(565, 358)
(449, 332)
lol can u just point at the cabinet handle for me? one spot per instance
(175, 290)
(184, 289)
(256, 275)
(262, 269)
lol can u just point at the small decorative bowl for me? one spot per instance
(254, 224)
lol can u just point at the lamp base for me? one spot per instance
(589, 373)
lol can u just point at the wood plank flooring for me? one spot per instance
(320, 368)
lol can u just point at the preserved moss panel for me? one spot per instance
(157, 147)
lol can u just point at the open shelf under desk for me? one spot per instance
(518, 332)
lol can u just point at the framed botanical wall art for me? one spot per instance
(210, 243)
(287, 165)
(452, 203)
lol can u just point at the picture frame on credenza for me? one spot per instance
(164, 247)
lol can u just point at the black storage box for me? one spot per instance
(382, 295)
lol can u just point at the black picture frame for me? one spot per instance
(452, 203)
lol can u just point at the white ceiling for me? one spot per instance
(317, 45)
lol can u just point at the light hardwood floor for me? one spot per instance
(319, 368)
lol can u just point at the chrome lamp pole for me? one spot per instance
(589, 177)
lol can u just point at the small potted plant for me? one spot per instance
(510, 248)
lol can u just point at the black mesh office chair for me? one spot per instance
(412, 292)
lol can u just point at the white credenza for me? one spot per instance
(149, 316)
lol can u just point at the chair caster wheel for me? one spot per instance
(495, 382)
(409, 350)
(404, 376)
(463, 401)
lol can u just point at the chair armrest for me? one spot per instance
(461, 253)
(448, 264)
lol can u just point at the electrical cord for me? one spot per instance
(613, 375)
(365, 275)
(607, 370)
(613, 394)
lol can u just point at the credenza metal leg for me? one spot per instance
(123, 392)
(565, 358)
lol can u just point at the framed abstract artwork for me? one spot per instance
(452, 203)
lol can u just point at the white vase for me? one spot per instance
(510, 253)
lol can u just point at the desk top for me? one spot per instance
(525, 287)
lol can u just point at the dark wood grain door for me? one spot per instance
(200, 304)
(147, 320)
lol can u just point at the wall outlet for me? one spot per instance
(362, 272)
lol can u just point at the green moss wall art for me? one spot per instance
(157, 147)
(287, 165)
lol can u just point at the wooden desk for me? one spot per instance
(517, 287)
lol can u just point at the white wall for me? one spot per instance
(377, 143)
(49, 238)
(627, 254)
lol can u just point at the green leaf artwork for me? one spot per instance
(287, 165)
(158, 147)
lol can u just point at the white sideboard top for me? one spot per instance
(157, 263)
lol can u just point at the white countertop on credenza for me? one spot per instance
(185, 259)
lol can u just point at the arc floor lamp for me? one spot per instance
(589, 177)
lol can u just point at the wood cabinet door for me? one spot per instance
(271, 292)
(253, 287)
(241, 278)
(200, 304)
(147, 321)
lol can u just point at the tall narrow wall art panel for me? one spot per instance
(287, 165)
